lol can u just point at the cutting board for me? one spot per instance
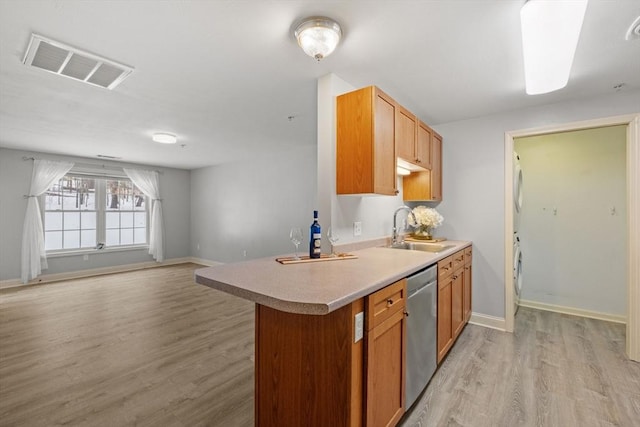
(434, 240)
(323, 257)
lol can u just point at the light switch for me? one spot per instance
(359, 332)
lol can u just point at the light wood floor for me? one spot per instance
(152, 348)
(145, 348)
(554, 370)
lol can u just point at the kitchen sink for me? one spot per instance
(426, 247)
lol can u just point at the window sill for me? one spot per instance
(92, 251)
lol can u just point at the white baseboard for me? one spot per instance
(205, 262)
(574, 311)
(488, 321)
(56, 277)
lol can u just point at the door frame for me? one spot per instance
(633, 217)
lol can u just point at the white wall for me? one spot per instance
(574, 246)
(473, 181)
(251, 206)
(15, 178)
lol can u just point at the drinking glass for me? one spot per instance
(333, 238)
(295, 235)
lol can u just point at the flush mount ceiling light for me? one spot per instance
(165, 138)
(550, 33)
(318, 36)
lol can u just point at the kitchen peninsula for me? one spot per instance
(330, 336)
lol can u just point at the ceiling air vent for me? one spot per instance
(64, 60)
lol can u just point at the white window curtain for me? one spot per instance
(148, 183)
(34, 258)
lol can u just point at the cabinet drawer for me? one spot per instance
(467, 255)
(458, 260)
(385, 303)
(445, 267)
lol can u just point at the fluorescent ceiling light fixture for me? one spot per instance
(165, 138)
(402, 171)
(318, 36)
(550, 33)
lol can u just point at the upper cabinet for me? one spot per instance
(423, 145)
(406, 125)
(365, 149)
(426, 185)
(373, 132)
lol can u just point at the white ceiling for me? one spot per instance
(225, 75)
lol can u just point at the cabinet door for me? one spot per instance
(405, 134)
(385, 371)
(423, 146)
(384, 145)
(457, 302)
(467, 292)
(436, 167)
(426, 185)
(365, 143)
(445, 333)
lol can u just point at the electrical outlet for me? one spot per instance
(357, 228)
(198, 247)
(85, 257)
(244, 253)
(359, 330)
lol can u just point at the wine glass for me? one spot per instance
(295, 235)
(333, 238)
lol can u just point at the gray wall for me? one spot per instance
(473, 181)
(252, 205)
(574, 246)
(15, 177)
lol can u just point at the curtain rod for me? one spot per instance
(93, 165)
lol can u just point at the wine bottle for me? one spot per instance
(314, 241)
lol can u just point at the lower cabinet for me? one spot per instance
(454, 298)
(311, 371)
(385, 348)
(445, 330)
(467, 283)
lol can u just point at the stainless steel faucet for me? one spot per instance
(394, 234)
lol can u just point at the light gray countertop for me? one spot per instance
(318, 287)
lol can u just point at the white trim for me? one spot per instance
(574, 311)
(60, 253)
(205, 262)
(488, 321)
(56, 277)
(633, 215)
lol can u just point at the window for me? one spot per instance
(83, 212)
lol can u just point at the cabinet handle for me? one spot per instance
(406, 313)
(389, 302)
(397, 191)
(455, 277)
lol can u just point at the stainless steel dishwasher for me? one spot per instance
(421, 350)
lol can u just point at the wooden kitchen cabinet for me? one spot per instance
(413, 139)
(426, 185)
(423, 145)
(365, 147)
(385, 361)
(454, 298)
(467, 283)
(445, 330)
(406, 134)
(457, 302)
(309, 371)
